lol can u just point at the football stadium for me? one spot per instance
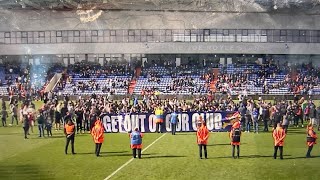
(159, 89)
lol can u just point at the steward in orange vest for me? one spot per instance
(278, 136)
(235, 135)
(202, 139)
(311, 139)
(69, 130)
(97, 133)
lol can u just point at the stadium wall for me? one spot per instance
(21, 20)
(161, 48)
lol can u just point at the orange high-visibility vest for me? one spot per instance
(69, 128)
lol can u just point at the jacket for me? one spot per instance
(278, 136)
(97, 132)
(202, 135)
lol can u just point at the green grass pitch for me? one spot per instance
(172, 157)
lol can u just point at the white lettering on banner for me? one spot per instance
(194, 119)
(134, 121)
(178, 128)
(168, 124)
(142, 118)
(185, 122)
(121, 123)
(114, 124)
(152, 123)
(106, 123)
(217, 121)
(127, 123)
(210, 121)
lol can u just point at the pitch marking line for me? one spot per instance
(128, 162)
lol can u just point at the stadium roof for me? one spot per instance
(307, 6)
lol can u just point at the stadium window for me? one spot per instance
(213, 31)
(219, 31)
(94, 33)
(7, 34)
(251, 32)
(276, 32)
(264, 32)
(41, 34)
(137, 32)
(283, 32)
(244, 32)
(302, 33)
(168, 32)
(24, 34)
(58, 33)
(112, 33)
(76, 33)
(206, 32)
(143, 32)
(187, 32)
(302, 39)
(226, 32)
(131, 32)
(232, 32)
(149, 32)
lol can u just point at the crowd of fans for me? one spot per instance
(298, 79)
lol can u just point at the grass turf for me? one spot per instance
(172, 157)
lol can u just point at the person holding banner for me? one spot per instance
(278, 136)
(311, 139)
(136, 143)
(202, 139)
(235, 135)
(174, 120)
(97, 133)
(159, 119)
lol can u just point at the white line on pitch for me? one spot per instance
(128, 162)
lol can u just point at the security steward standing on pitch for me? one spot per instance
(69, 131)
(235, 135)
(202, 139)
(136, 143)
(311, 139)
(97, 133)
(278, 136)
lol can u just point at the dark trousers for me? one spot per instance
(49, 128)
(71, 138)
(309, 151)
(204, 149)
(159, 127)
(243, 124)
(26, 130)
(234, 149)
(14, 117)
(285, 128)
(41, 130)
(276, 152)
(265, 123)
(79, 126)
(4, 122)
(173, 128)
(98, 148)
(134, 153)
(296, 120)
(86, 126)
